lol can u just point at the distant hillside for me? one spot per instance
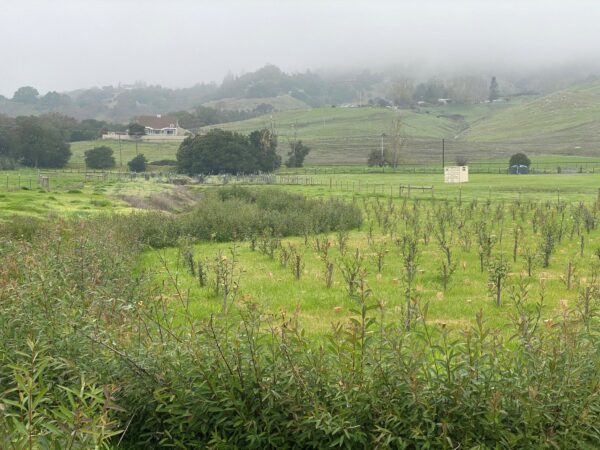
(346, 135)
(563, 123)
(278, 103)
(268, 88)
(572, 113)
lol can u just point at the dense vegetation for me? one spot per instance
(238, 213)
(34, 143)
(221, 151)
(89, 351)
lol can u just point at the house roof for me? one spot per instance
(157, 122)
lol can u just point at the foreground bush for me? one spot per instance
(240, 213)
(87, 351)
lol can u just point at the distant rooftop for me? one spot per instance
(158, 121)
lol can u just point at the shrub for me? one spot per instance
(461, 161)
(138, 163)
(519, 159)
(7, 163)
(99, 158)
(376, 159)
(164, 162)
(298, 151)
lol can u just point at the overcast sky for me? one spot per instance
(63, 45)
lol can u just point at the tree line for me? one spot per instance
(43, 142)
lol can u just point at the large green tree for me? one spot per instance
(297, 153)
(266, 144)
(135, 129)
(221, 151)
(6, 148)
(100, 158)
(26, 94)
(39, 145)
(494, 90)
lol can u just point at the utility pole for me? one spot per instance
(120, 153)
(443, 153)
(382, 160)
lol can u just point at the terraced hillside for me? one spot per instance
(346, 135)
(573, 112)
(562, 123)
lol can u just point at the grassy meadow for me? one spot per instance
(123, 150)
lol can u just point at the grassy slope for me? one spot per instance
(71, 194)
(152, 151)
(562, 123)
(338, 135)
(572, 112)
(279, 103)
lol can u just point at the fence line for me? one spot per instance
(77, 179)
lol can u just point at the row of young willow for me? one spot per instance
(91, 355)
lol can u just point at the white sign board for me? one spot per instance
(456, 174)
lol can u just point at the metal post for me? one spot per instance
(382, 161)
(443, 153)
(120, 153)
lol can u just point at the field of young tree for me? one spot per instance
(305, 314)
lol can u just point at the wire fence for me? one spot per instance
(324, 181)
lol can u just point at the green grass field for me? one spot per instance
(73, 193)
(123, 151)
(573, 112)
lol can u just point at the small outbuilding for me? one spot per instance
(456, 174)
(518, 169)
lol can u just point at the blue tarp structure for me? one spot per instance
(518, 169)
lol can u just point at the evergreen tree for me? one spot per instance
(494, 92)
(297, 153)
(39, 145)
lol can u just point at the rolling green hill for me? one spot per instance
(572, 112)
(566, 122)
(279, 103)
(346, 135)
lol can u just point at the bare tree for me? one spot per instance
(398, 140)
